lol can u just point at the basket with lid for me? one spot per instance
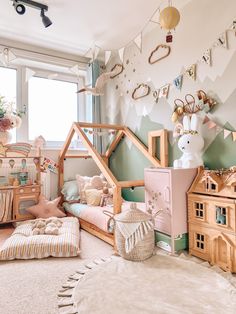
(134, 234)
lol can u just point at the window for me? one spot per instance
(8, 89)
(200, 241)
(52, 108)
(199, 211)
(213, 186)
(221, 215)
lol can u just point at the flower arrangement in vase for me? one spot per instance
(10, 118)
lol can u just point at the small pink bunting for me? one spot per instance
(206, 119)
(211, 124)
(226, 133)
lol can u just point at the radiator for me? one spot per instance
(6, 199)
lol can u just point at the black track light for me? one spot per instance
(46, 20)
(19, 6)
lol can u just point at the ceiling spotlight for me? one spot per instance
(46, 20)
(19, 6)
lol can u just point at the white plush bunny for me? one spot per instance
(191, 144)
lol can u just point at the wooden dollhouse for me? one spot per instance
(212, 217)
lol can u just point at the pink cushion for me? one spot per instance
(46, 209)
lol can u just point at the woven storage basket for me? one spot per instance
(145, 247)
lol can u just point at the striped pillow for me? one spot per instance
(23, 245)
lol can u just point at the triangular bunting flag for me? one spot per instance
(96, 51)
(191, 72)
(233, 26)
(121, 54)
(206, 119)
(234, 136)
(226, 133)
(211, 124)
(221, 41)
(75, 69)
(107, 56)
(28, 74)
(7, 56)
(138, 41)
(164, 91)
(178, 82)
(206, 58)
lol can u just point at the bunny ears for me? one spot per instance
(190, 126)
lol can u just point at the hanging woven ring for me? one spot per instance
(190, 106)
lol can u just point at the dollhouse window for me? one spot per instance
(199, 210)
(221, 215)
(213, 186)
(200, 241)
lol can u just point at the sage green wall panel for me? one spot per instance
(222, 152)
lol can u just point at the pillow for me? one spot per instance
(70, 191)
(93, 197)
(81, 181)
(97, 182)
(46, 209)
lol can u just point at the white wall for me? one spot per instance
(201, 22)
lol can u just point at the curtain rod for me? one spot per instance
(44, 54)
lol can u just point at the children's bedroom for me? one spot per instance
(117, 157)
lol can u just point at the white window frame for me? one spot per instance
(60, 77)
(22, 134)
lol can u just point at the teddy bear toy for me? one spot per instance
(38, 226)
(106, 197)
(48, 226)
(191, 144)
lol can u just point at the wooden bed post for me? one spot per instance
(117, 200)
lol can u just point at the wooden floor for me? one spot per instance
(5, 232)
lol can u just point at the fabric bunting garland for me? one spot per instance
(99, 133)
(178, 82)
(221, 41)
(211, 125)
(206, 58)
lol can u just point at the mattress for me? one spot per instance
(97, 215)
(22, 244)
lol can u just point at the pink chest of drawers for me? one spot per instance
(165, 191)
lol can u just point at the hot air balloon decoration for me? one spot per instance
(169, 19)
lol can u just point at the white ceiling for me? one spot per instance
(78, 24)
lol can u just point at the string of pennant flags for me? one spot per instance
(212, 124)
(191, 71)
(100, 133)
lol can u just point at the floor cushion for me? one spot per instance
(22, 244)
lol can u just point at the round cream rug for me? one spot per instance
(162, 284)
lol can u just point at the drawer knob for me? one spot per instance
(21, 190)
(33, 190)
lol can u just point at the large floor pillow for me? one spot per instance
(22, 244)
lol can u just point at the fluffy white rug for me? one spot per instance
(162, 285)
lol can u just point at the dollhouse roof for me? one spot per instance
(207, 175)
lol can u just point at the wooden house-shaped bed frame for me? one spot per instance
(102, 161)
